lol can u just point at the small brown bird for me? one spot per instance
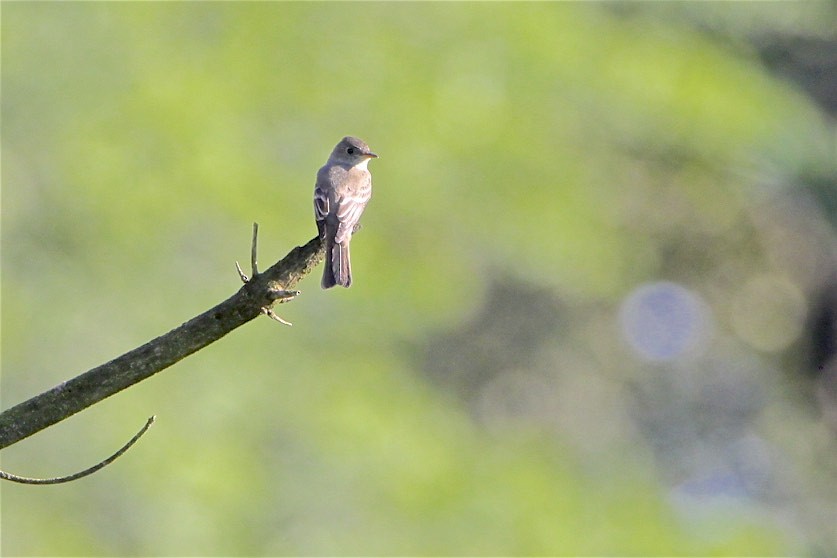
(344, 186)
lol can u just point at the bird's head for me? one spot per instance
(352, 151)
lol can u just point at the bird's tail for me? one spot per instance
(338, 269)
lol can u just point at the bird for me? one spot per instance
(342, 190)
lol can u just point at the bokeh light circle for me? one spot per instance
(663, 320)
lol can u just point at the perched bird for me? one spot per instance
(344, 186)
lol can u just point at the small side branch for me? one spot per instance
(274, 295)
(89, 471)
(273, 315)
(254, 265)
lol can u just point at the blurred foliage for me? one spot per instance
(472, 393)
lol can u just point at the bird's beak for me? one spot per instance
(371, 155)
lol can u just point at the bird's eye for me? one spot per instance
(351, 151)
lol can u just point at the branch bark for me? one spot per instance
(257, 296)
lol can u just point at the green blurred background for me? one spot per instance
(594, 304)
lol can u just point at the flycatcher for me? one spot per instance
(344, 186)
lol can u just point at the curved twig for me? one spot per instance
(89, 471)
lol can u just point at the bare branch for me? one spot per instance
(89, 471)
(70, 397)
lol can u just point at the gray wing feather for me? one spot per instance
(321, 204)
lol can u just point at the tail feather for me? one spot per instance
(342, 265)
(338, 269)
(328, 274)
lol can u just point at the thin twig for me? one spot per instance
(267, 311)
(88, 471)
(241, 274)
(253, 263)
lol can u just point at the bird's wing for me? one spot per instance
(349, 208)
(321, 203)
(348, 215)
